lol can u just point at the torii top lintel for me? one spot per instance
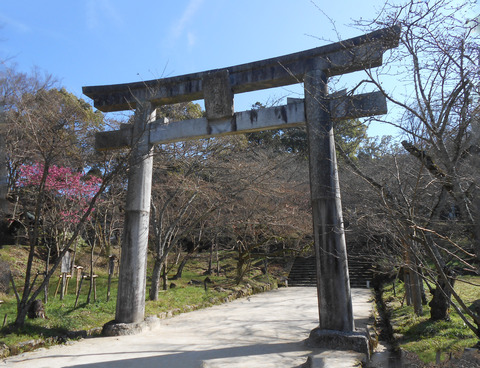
(334, 59)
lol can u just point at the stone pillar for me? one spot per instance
(133, 261)
(333, 286)
(3, 168)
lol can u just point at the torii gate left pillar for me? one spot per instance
(133, 266)
(3, 169)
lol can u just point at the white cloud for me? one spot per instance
(20, 27)
(104, 10)
(183, 22)
(92, 19)
(191, 39)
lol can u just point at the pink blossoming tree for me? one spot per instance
(71, 191)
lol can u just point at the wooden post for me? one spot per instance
(334, 298)
(79, 276)
(68, 277)
(58, 286)
(133, 261)
(94, 281)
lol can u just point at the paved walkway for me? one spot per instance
(264, 330)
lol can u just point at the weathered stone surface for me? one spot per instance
(357, 106)
(347, 56)
(133, 262)
(26, 346)
(278, 117)
(114, 328)
(4, 350)
(122, 329)
(334, 297)
(218, 95)
(81, 334)
(339, 340)
(336, 359)
(117, 138)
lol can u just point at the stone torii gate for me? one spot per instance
(217, 87)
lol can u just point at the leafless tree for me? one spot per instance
(49, 126)
(430, 198)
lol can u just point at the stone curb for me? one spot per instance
(33, 344)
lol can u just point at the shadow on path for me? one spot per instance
(183, 359)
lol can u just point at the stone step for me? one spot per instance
(303, 272)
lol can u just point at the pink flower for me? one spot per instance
(71, 190)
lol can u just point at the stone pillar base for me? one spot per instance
(114, 328)
(339, 340)
(336, 358)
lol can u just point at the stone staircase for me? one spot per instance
(360, 272)
(303, 272)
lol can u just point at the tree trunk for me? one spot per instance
(64, 283)
(165, 276)
(422, 286)
(243, 264)
(22, 310)
(178, 275)
(210, 260)
(413, 280)
(79, 289)
(218, 262)
(74, 255)
(416, 292)
(408, 289)
(441, 298)
(156, 275)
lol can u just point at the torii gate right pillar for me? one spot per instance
(334, 298)
(336, 325)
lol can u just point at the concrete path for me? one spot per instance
(264, 330)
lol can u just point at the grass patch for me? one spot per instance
(420, 335)
(63, 317)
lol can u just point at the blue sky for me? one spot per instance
(95, 42)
